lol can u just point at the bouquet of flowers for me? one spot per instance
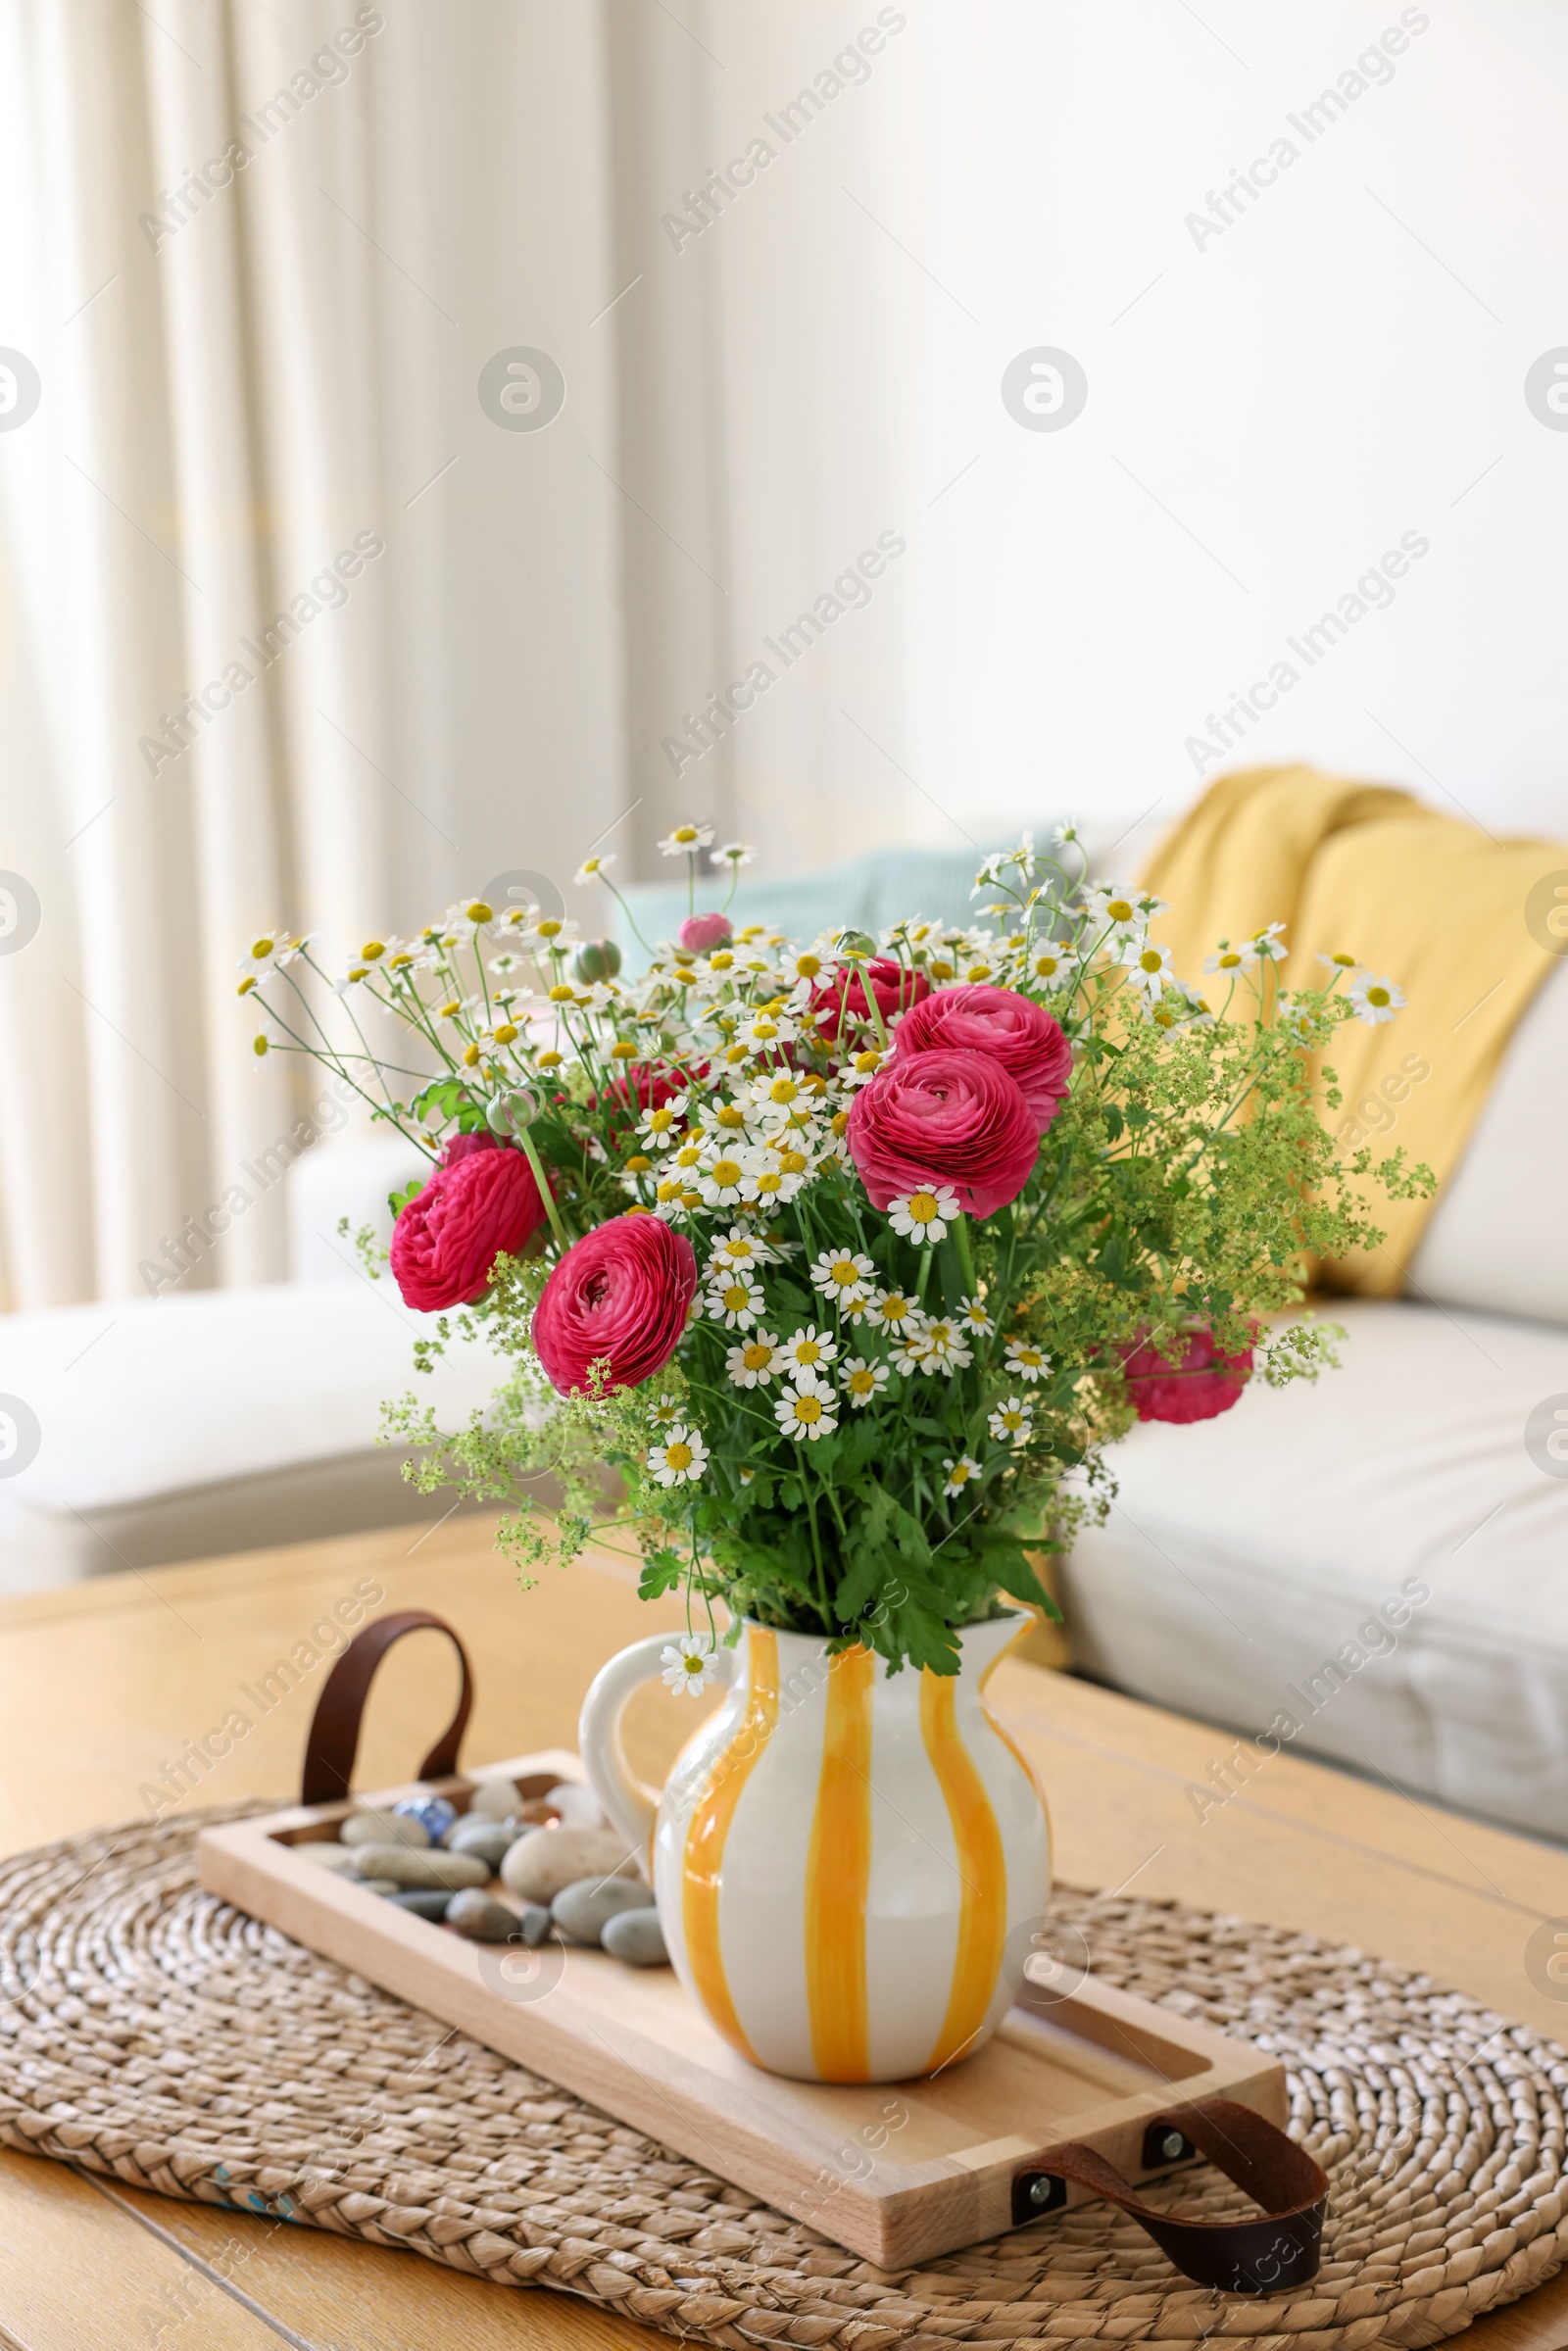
(829, 1272)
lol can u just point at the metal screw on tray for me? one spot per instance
(1172, 2146)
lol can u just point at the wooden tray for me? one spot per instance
(895, 2173)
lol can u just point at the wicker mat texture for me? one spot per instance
(149, 2031)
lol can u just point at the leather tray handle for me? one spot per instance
(1270, 2255)
(334, 1735)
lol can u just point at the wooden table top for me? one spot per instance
(102, 1682)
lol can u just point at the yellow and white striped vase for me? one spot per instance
(840, 1854)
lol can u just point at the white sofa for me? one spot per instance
(1245, 1560)
(175, 1427)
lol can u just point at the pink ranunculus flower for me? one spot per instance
(1026, 1041)
(702, 933)
(620, 1295)
(839, 1007)
(1201, 1383)
(944, 1118)
(446, 1241)
(462, 1146)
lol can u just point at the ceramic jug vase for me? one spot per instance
(846, 1862)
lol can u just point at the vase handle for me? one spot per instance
(629, 1805)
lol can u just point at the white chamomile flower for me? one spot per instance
(939, 1346)
(1012, 1421)
(765, 1031)
(844, 1275)
(684, 840)
(809, 1350)
(682, 1457)
(1373, 998)
(1225, 958)
(775, 1093)
(689, 1663)
(1111, 906)
(806, 1408)
(1265, 944)
(594, 869)
(736, 1301)
(768, 1183)
(1337, 962)
(1148, 965)
(973, 1318)
(1026, 1361)
(960, 1474)
(660, 1126)
(859, 1069)
(739, 1250)
(720, 1178)
(756, 1362)
(270, 950)
(894, 1310)
(1049, 964)
(731, 855)
(722, 1118)
(925, 1214)
(864, 1382)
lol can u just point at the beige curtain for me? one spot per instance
(259, 398)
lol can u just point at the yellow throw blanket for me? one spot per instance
(1459, 921)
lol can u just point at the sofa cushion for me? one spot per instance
(1245, 1554)
(176, 1427)
(1497, 1235)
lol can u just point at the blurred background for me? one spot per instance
(451, 299)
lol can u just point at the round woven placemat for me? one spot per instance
(150, 2032)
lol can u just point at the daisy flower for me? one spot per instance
(1012, 1421)
(1148, 965)
(1373, 998)
(895, 1311)
(960, 1474)
(806, 1409)
(972, 1317)
(720, 1178)
(1225, 958)
(768, 1183)
(938, 1345)
(1025, 1360)
(593, 869)
(809, 1350)
(682, 1457)
(271, 951)
(731, 855)
(1113, 906)
(864, 1382)
(660, 1126)
(736, 1301)
(765, 1030)
(1337, 962)
(689, 1663)
(739, 1249)
(1049, 964)
(776, 1093)
(722, 1118)
(860, 1070)
(755, 1363)
(844, 1275)
(924, 1214)
(1266, 943)
(684, 840)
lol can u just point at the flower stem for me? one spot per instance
(531, 1153)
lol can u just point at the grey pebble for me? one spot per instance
(492, 1799)
(425, 1901)
(583, 1909)
(378, 1886)
(534, 1924)
(434, 1867)
(541, 1863)
(480, 1918)
(383, 1828)
(637, 1938)
(492, 1840)
(326, 1857)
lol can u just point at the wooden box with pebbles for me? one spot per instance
(503, 1906)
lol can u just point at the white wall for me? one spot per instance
(1342, 365)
